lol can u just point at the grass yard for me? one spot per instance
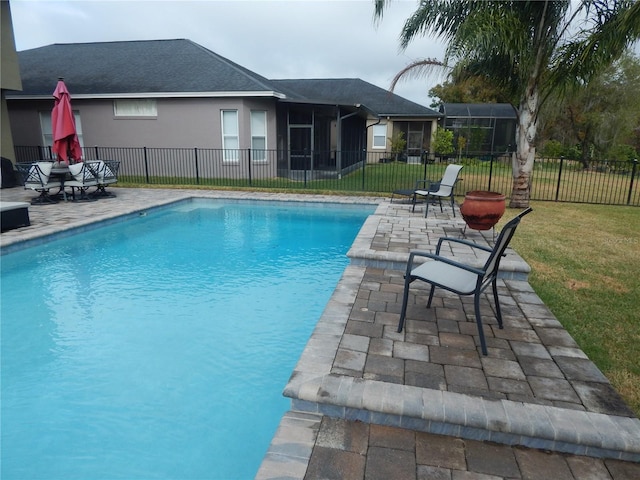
(585, 262)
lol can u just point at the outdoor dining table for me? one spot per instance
(61, 172)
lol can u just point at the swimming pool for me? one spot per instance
(159, 347)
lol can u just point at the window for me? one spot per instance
(47, 130)
(259, 135)
(140, 107)
(230, 139)
(379, 136)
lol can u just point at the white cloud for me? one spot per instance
(276, 39)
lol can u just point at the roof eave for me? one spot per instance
(125, 95)
(411, 115)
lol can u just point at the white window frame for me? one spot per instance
(259, 135)
(47, 129)
(143, 108)
(230, 136)
(378, 132)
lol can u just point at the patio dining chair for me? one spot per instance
(37, 177)
(460, 278)
(444, 189)
(83, 176)
(107, 174)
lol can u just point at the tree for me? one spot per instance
(529, 48)
(601, 117)
(398, 145)
(467, 90)
(443, 142)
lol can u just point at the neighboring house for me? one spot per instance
(178, 94)
(485, 128)
(9, 77)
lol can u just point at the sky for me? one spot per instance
(273, 38)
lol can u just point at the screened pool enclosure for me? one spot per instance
(481, 129)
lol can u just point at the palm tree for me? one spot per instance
(529, 48)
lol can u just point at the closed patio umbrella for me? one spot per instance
(65, 137)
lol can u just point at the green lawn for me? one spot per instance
(577, 184)
(585, 262)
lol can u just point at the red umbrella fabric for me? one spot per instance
(65, 138)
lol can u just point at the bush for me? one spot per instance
(552, 149)
(622, 152)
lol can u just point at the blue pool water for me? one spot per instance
(158, 347)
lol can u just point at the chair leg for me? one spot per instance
(440, 202)
(452, 207)
(433, 289)
(426, 207)
(495, 299)
(405, 300)
(476, 302)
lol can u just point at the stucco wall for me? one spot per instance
(180, 123)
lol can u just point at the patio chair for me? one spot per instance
(36, 176)
(461, 278)
(83, 176)
(444, 190)
(411, 192)
(107, 174)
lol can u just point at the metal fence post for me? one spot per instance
(425, 157)
(146, 164)
(305, 154)
(490, 172)
(364, 164)
(249, 160)
(633, 176)
(195, 156)
(559, 177)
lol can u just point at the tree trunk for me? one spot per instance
(526, 151)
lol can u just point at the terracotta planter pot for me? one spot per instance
(482, 210)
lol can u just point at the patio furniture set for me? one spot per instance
(481, 211)
(45, 176)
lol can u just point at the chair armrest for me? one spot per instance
(463, 242)
(428, 186)
(439, 258)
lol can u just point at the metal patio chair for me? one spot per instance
(444, 189)
(37, 176)
(411, 192)
(107, 174)
(460, 278)
(83, 177)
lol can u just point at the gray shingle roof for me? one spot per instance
(351, 91)
(184, 67)
(157, 66)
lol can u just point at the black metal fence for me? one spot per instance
(553, 179)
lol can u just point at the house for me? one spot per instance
(178, 94)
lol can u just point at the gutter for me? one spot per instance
(125, 95)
